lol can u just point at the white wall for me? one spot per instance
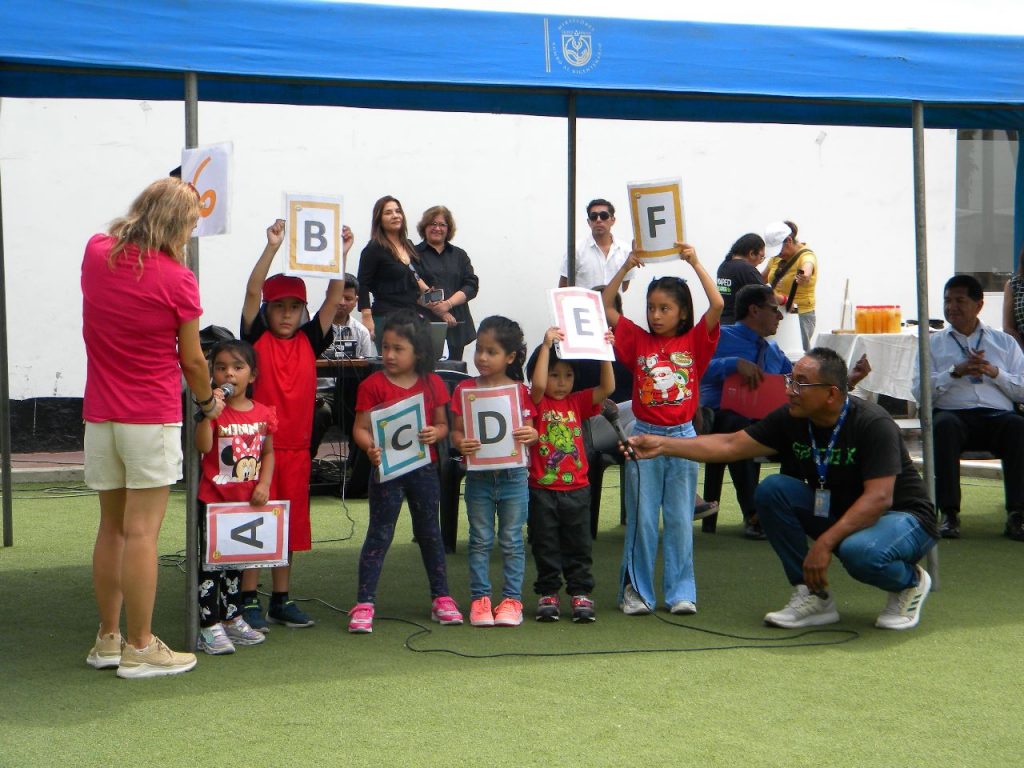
(69, 167)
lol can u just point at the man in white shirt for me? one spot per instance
(977, 376)
(599, 255)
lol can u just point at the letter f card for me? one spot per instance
(657, 211)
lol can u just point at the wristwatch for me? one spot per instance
(953, 373)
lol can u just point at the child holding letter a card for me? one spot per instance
(237, 465)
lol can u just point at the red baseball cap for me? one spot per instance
(284, 287)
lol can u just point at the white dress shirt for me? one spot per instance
(948, 348)
(593, 268)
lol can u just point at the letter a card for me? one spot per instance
(580, 314)
(657, 211)
(395, 429)
(239, 535)
(313, 228)
(490, 414)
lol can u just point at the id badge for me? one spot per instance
(822, 499)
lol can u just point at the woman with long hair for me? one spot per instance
(140, 314)
(389, 266)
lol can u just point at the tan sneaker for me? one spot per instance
(106, 652)
(155, 660)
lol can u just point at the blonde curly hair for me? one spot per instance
(161, 218)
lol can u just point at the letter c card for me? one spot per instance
(395, 429)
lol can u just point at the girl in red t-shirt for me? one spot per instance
(408, 357)
(237, 465)
(667, 362)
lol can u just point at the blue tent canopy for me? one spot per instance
(314, 52)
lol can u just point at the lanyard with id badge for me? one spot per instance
(822, 495)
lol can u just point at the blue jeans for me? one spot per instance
(667, 485)
(502, 493)
(882, 555)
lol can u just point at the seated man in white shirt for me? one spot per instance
(351, 340)
(599, 255)
(977, 375)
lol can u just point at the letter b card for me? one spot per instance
(315, 247)
(239, 535)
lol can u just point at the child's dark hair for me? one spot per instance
(238, 348)
(409, 325)
(553, 360)
(241, 349)
(509, 336)
(677, 288)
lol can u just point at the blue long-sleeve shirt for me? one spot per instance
(738, 342)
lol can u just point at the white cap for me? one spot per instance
(775, 235)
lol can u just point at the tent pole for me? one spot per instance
(570, 221)
(191, 458)
(923, 346)
(5, 400)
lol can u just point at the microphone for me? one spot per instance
(611, 413)
(227, 388)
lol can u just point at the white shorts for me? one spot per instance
(132, 456)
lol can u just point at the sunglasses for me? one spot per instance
(602, 215)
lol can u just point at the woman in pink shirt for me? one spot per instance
(140, 312)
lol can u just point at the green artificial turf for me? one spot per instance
(945, 694)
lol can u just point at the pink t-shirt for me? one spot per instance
(130, 324)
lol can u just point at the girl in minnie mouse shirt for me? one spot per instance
(237, 465)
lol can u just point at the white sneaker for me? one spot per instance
(215, 641)
(240, 633)
(632, 604)
(804, 609)
(683, 608)
(903, 610)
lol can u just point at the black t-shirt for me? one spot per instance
(868, 446)
(733, 275)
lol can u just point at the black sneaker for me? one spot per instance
(289, 614)
(1015, 526)
(949, 528)
(252, 614)
(582, 609)
(547, 608)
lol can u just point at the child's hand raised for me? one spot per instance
(347, 238)
(275, 233)
(553, 334)
(688, 254)
(609, 337)
(636, 259)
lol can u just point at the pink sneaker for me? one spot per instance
(360, 619)
(480, 613)
(445, 611)
(509, 613)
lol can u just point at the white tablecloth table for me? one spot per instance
(893, 358)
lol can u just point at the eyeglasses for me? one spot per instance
(602, 215)
(437, 225)
(799, 387)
